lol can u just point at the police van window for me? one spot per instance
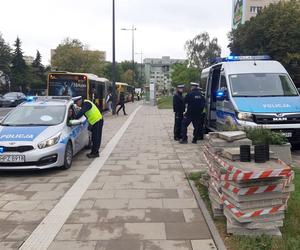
(223, 83)
(256, 85)
(203, 83)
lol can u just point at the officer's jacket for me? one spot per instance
(195, 103)
(178, 103)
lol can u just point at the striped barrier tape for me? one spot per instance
(255, 213)
(252, 190)
(236, 174)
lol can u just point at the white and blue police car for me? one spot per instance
(42, 133)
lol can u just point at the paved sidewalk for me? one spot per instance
(27, 197)
(140, 200)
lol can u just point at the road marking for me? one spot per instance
(46, 231)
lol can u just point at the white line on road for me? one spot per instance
(46, 231)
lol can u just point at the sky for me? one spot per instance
(163, 26)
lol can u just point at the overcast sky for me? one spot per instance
(163, 26)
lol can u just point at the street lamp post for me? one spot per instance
(114, 94)
(133, 71)
(141, 54)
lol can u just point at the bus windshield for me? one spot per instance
(258, 85)
(67, 85)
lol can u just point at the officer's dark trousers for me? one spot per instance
(197, 124)
(96, 136)
(177, 125)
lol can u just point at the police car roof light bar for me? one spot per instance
(233, 58)
(247, 58)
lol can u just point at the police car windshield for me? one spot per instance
(35, 116)
(258, 85)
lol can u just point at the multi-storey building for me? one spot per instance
(158, 70)
(243, 10)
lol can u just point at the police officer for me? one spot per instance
(179, 109)
(95, 119)
(195, 105)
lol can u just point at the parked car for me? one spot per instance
(42, 133)
(12, 99)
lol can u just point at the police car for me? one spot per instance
(41, 133)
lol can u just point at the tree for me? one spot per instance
(18, 68)
(183, 74)
(72, 55)
(275, 32)
(5, 61)
(201, 50)
(37, 73)
(127, 76)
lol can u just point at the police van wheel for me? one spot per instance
(68, 156)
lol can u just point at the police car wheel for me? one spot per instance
(68, 156)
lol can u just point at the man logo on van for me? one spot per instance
(279, 105)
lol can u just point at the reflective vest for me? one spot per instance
(93, 115)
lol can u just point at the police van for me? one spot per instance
(251, 91)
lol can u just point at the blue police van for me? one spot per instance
(251, 91)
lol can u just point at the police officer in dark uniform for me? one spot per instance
(195, 105)
(179, 109)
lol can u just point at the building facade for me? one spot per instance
(243, 10)
(159, 70)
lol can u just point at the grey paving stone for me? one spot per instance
(10, 245)
(85, 204)
(203, 245)
(193, 215)
(21, 232)
(187, 231)
(130, 194)
(145, 203)
(69, 232)
(167, 245)
(122, 216)
(20, 217)
(5, 230)
(164, 215)
(102, 231)
(50, 195)
(179, 203)
(120, 245)
(162, 193)
(98, 194)
(144, 231)
(20, 205)
(111, 204)
(85, 216)
(38, 187)
(73, 245)
(15, 196)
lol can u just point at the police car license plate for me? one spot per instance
(12, 158)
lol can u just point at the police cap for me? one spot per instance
(194, 84)
(180, 86)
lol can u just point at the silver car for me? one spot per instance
(42, 133)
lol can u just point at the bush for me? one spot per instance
(262, 136)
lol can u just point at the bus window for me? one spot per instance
(67, 85)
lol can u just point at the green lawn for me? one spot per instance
(290, 231)
(165, 102)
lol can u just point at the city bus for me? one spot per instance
(89, 86)
(126, 88)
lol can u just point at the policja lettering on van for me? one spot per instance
(279, 105)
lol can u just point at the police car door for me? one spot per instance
(225, 110)
(76, 133)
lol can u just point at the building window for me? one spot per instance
(255, 9)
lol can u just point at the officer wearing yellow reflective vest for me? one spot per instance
(95, 119)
